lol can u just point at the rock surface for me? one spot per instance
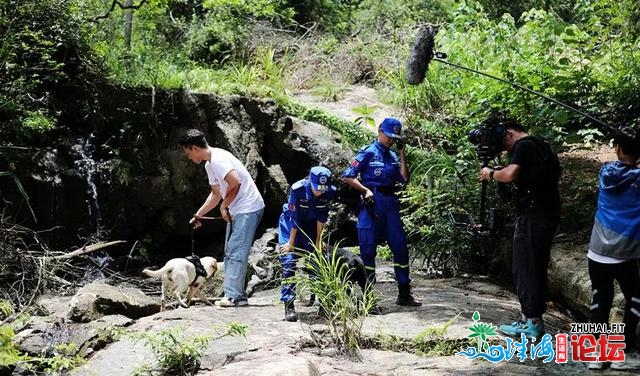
(275, 347)
(125, 172)
(96, 300)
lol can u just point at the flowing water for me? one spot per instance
(87, 166)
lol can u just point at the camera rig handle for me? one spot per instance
(486, 158)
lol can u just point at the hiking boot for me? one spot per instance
(290, 312)
(405, 298)
(529, 328)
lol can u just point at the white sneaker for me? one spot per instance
(230, 302)
(595, 365)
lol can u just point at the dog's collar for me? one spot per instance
(200, 271)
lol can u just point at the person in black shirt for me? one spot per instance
(535, 170)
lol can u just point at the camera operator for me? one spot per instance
(380, 168)
(535, 170)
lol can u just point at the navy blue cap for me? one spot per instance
(392, 127)
(320, 178)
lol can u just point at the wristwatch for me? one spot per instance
(491, 174)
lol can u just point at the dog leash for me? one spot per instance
(193, 241)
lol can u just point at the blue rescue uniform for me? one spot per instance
(302, 211)
(378, 169)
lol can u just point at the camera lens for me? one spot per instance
(475, 136)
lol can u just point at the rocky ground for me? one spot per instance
(275, 347)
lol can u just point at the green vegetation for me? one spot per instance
(9, 354)
(582, 52)
(178, 353)
(430, 342)
(62, 358)
(341, 303)
(53, 361)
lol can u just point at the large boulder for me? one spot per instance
(100, 299)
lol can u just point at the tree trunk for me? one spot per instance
(128, 21)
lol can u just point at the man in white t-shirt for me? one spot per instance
(242, 207)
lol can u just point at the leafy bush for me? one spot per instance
(176, 352)
(41, 47)
(386, 16)
(63, 358)
(354, 135)
(226, 25)
(9, 354)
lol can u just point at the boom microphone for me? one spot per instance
(421, 54)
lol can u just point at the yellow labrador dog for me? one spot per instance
(181, 275)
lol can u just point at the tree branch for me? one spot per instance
(88, 249)
(121, 6)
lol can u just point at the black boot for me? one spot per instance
(290, 312)
(404, 296)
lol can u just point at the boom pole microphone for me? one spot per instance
(423, 53)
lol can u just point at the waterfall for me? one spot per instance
(87, 168)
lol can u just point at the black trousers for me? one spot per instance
(602, 277)
(531, 251)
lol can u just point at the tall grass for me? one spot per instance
(343, 309)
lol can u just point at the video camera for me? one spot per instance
(488, 138)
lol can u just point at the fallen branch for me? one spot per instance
(88, 249)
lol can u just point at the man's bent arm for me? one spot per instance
(233, 187)
(211, 202)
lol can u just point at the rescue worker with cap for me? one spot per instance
(301, 223)
(374, 172)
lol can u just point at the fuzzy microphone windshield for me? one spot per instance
(421, 54)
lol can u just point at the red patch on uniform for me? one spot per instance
(354, 163)
(292, 207)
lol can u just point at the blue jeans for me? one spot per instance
(236, 254)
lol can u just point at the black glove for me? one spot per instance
(400, 144)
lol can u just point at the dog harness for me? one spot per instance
(200, 272)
